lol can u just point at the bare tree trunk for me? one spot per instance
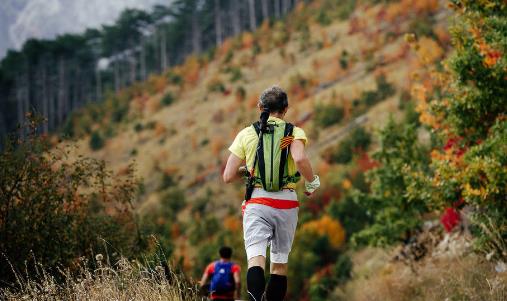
(142, 59)
(133, 65)
(277, 8)
(163, 51)
(251, 12)
(19, 101)
(265, 9)
(45, 106)
(285, 6)
(51, 101)
(76, 102)
(116, 75)
(98, 84)
(218, 24)
(236, 23)
(196, 33)
(61, 90)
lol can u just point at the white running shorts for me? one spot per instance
(263, 226)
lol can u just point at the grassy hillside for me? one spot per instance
(347, 68)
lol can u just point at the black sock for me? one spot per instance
(255, 283)
(277, 287)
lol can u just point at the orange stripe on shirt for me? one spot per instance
(278, 204)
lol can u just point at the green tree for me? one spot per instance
(358, 140)
(394, 215)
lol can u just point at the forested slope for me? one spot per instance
(55, 77)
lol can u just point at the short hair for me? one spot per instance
(274, 99)
(225, 252)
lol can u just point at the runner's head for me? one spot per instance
(225, 252)
(275, 100)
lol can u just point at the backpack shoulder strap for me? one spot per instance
(259, 155)
(289, 129)
(257, 127)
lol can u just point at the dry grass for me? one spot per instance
(124, 280)
(466, 278)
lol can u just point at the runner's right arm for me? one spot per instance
(231, 168)
(204, 278)
(297, 150)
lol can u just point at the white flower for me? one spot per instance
(99, 257)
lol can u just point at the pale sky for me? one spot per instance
(24, 19)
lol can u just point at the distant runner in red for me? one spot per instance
(224, 276)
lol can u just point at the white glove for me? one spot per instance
(310, 187)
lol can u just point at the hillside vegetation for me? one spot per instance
(406, 130)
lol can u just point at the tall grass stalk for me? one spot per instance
(122, 280)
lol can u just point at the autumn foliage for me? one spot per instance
(54, 211)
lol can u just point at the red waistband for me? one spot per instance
(278, 204)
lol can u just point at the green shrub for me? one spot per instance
(205, 228)
(119, 110)
(216, 86)
(96, 141)
(138, 127)
(358, 140)
(167, 99)
(342, 269)
(422, 26)
(383, 91)
(240, 93)
(172, 201)
(384, 88)
(151, 125)
(328, 115)
(68, 127)
(323, 18)
(174, 78)
(351, 212)
(339, 274)
(256, 49)
(204, 142)
(229, 56)
(345, 9)
(344, 59)
(54, 212)
(209, 54)
(395, 215)
(306, 253)
(235, 73)
(167, 181)
(304, 37)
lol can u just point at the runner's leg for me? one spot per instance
(281, 245)
(255, 278)
(277, 287)
(257, 231)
